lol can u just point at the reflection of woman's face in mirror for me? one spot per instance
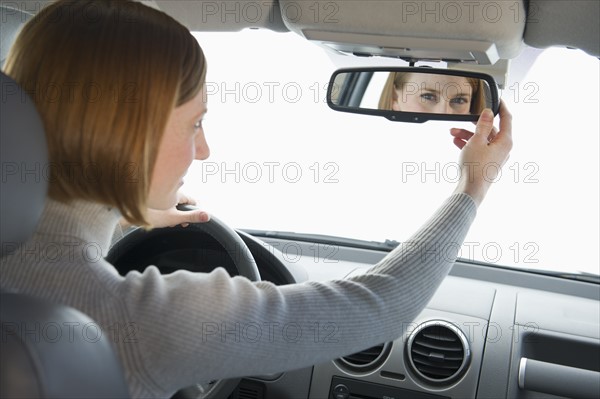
(433, 94)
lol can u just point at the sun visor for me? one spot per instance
(224, 16)
(572, 23)
(419, 30)
(199, 15)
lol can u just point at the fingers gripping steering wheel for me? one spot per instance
(125, 253)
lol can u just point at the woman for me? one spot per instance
(432, 93)
(120, 88)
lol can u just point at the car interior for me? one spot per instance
(489, 331)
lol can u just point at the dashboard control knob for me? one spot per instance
(341, 391)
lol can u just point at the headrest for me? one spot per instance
(24, 165)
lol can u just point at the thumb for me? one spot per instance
(485, 124)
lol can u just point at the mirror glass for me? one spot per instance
(413, 94)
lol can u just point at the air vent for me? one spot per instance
(438, 352)
(367, 360)
(248, 389)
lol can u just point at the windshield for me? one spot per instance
(281, 160)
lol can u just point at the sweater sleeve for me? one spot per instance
(195, 327)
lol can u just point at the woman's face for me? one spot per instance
(433, 94)
(182, 142)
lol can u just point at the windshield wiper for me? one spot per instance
(387, 245)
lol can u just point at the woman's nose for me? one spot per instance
(449, 109)
(202, 149)
(441, 108)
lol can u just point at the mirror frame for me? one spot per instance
(414, 117)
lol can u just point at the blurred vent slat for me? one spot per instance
(249, 390)
(365, 357)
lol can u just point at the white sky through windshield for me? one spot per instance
(282, 160)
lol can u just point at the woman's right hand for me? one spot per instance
(483, 153)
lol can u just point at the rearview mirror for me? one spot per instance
(413, 94)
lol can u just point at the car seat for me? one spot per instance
(47, 350)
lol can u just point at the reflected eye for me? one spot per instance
(429, 97)
(459, 101)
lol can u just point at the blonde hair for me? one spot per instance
(105, 76)
(397, 80)
(388, 94)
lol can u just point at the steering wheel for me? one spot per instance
(165, 247)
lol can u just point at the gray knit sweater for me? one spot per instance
(171, 331)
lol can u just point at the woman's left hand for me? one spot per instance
(172, 217)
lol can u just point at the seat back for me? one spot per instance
(46, 350)
(54, 351)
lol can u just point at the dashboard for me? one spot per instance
(488, 332)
